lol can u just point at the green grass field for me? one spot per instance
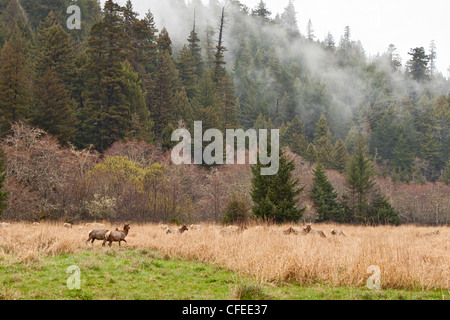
(135, 274)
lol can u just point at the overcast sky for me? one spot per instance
(376, 23)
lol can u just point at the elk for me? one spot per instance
(97, 235)
(294, 231)
(308, 229)
(177, 231)
(233, 230)
(337, 232)
(117, 235)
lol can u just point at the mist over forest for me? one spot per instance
(108, 96)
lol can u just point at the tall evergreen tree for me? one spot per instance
(166, 84)
(55, 50)
(360, 177)
(14, 83)
(187, 71)
(219, 59)
(54, 108)
(196, 51)
(106, 116)
(275, 196)
(325, 198)
(418, 64)
(402, 155)
(341, 156)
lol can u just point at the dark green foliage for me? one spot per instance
(15, 94)
(236, 211)
(341, 156)
(417, 66)
(360, 176)
(380, 211)
(274, 197)
(326, 198)
(54, 108)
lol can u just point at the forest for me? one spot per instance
(86, 117)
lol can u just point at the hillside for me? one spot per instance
(86, 116)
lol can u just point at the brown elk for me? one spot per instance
(177, 231)
(97, 235)
(308, 229)
(117, 236)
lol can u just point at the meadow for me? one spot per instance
(259, 263)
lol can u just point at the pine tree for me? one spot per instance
(289, 20)
(196, 51)
(3, 194)
(164, 42)
(360, 175)
(274, 197)
(141, 127)
(311, 154)
(187, 71)
(322, 141)
(166, 84)
(310, 31)
(227, 102)
(326, 198)
(54, 108)
(294, 137)
(209, 47)
(403, 158)
(261, 11)
(219, 59)
(341, 156)
(381, 211)
(14, 83)
(418, 64)
(55, 51)
(106, 116)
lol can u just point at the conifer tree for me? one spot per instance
(166, 84)
(360, 175)
(274, 197)
(54, 108)
(341, 156)
(209, 47)
(164, 42)
(219, 59)
(106, 116)
(402, 155)
(311, 154)
(322, 141)
(14, 83)
(326, 198)
(187, 71)
(294, 137)
(381, 211)
(196, 51)
(55, 51)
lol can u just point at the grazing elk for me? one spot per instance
(117, 235)
(295, 231)
(308, 229)
(97, 235)
(232, 230)
(177, 231)
(337, 232)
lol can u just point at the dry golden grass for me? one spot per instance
(409, 257)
